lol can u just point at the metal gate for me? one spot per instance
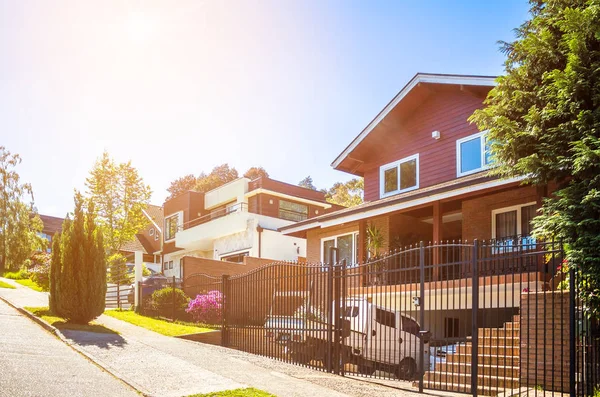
(481, 318)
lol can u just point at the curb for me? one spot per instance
(56, 332)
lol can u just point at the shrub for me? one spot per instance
(163, 300)
(117, 264)
(22, 274)
(40, 275)
(207, 308)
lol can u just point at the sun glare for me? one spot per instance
(140, 27)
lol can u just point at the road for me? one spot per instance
(35, 363)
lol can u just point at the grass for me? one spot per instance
(162, 327)
(250, 392)
(20, 275)
(5, 285)
(30, 284)
(60, 323)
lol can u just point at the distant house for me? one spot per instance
(148, 241)
(52, 225)
(237, 221)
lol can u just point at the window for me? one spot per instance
(472, 154)
(399, 176)
(166, 266)
(386, 318)
(513, 221)
(151, 231)
(292, 211)
(171, 225)
(409, 325)
(451, 328)
(346, 245)
(156, 236)
(351, 311)
(236, 258)
(170, 264)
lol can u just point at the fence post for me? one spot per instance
(140, 296)
(118, 295)
(331, 308)
(173, 297)
(421, 314)
(474, 310)
(572, 332)
(224, 304)
(337, 317)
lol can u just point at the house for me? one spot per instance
(234, 222)
(52, 225)
(148, 240)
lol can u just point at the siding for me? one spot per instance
(268, 205)
(445, 111)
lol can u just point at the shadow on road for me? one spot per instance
(101, 340)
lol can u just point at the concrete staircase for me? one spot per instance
(498, 367)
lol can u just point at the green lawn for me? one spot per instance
(5, 285)
(162, 327)
(61, 323)
(28, 283)
(250, 392)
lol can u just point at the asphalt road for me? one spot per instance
(35, 363)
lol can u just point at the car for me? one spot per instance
(151, 284)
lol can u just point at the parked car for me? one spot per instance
(152, 283)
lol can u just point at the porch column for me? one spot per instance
(139, 260)
(437, 237)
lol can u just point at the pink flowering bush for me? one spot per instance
(206, 308)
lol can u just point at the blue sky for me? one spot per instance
(179, 87)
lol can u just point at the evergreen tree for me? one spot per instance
(543, 119)
(79, 269)
(55, 268)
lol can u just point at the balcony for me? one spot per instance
(199, 233)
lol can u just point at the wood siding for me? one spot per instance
(447, 112)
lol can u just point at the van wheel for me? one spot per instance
(407, 369)
(365, 369)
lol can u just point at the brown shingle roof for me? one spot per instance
(52, 224)
(134, 245)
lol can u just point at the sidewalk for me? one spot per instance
(158, 365)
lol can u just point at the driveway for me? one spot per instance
(35, 363)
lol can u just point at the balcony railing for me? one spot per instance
(215, 214)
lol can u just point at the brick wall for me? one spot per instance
(193, 265)
(544, 352)
(477, 212)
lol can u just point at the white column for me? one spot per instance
(139, 259)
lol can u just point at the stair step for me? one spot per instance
(516, 318)
(499, 341)
(460, 388)
(482, 369)
(489, 350)
(483, 380)
(499, 332)
(484, 359)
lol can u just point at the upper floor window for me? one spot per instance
(399, 176)
(292, 211)
(472, 154)
(171, 224)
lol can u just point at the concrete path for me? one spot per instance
(35, 363)
(158, 365)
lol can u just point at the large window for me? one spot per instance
(292, 211)
(346, 245)
(399, 176)
(472, 154)
(513, 221)
(171, 225)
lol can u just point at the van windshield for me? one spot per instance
(409, 325)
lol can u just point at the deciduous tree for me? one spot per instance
(307, 183)
(219, 175)
(543, 119)
(181, 185)
(348, 194)
(255, 173)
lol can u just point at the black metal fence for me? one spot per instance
(483, 318)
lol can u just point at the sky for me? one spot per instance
(179, 87)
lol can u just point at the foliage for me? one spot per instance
(22, 274)
(375, 240)
(40, 272)
(30, 284)
(219, 175)
(167, 328)
(348, 194)
(307, 183)
(310, 313)
(120, 195)
(255, 173)
(181, 185)
(145, 271)
(6, 285)
(58, 322)
(248, 392)
(18, 228)
(78, 270)
(543, 119)
(117, 269)
(165, 298)
(206, 308)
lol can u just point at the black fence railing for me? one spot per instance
(484, 318)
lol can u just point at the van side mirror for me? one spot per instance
(425, 336)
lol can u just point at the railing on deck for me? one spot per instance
(215, 214)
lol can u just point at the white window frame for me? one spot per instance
(509, 209)
(396, 164)
(334, 238)
(179, 215)
(484, 166)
